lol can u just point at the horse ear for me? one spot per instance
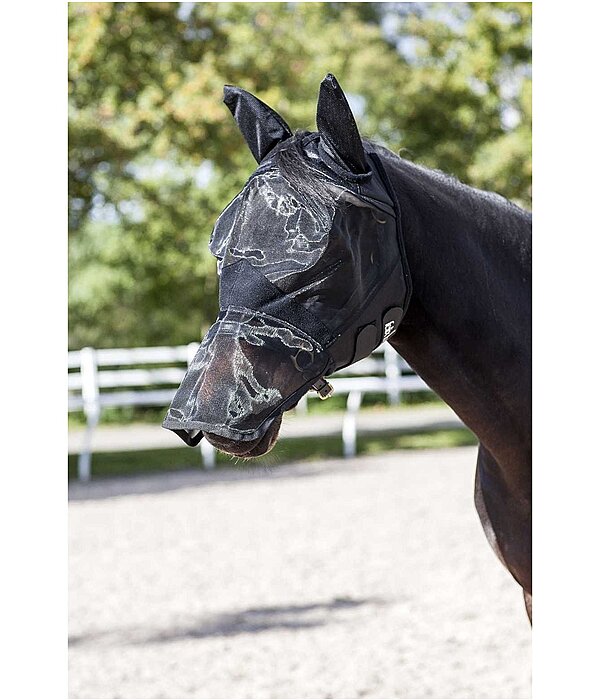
(260, 125)
(337, 127)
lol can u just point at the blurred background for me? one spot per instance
(154, 155)
(363, 577)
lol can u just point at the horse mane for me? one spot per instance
(478, 199)
(315, 190)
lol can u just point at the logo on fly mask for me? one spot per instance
(312, 272)
(389, 329)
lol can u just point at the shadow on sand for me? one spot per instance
(249, 621)
(113, 487)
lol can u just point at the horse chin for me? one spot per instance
(247, 448)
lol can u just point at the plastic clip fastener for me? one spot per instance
(323, 388)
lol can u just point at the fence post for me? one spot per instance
(91, 409)
(192, 349)
(392, 372)
(209, 456)
(349, 423)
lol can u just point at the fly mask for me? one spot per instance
(313, 274)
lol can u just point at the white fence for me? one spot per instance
(105, 378)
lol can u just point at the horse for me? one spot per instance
(336, 244)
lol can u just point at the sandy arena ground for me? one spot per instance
(368, 578)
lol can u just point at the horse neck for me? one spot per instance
(467, 330)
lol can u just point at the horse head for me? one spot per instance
(312, 275)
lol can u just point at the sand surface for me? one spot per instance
(365, 578)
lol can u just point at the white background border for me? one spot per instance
(566, 349)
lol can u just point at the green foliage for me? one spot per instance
(449, 84)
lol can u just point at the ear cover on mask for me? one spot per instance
(337, 127)
(261, 126)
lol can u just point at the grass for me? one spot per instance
(105, 464)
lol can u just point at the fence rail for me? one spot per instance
(103, 378)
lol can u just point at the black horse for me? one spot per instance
(336, 244)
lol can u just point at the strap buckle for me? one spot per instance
(323, 388)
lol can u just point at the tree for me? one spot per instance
(154, 156)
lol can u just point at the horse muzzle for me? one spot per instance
(248, 370)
